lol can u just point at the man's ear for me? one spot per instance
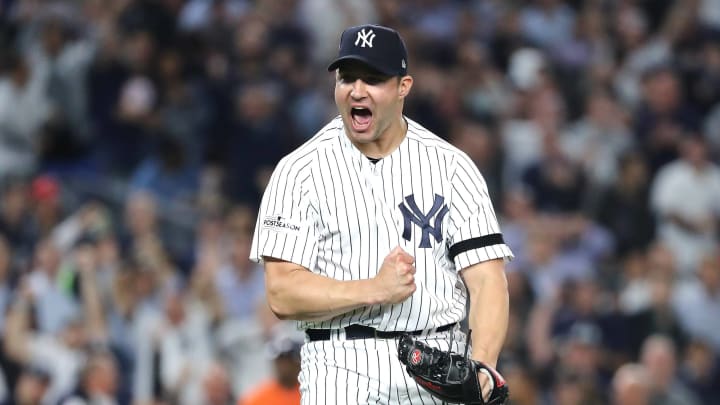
(405, 85)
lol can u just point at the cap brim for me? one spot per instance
(339, 61)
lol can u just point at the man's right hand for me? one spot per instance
(396, 277)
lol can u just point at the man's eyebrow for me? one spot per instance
(367, 75)
(361, 72)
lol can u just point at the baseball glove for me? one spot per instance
(449, 376)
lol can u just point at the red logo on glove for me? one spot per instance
(429, 385)
(415, 357)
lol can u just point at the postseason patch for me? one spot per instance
(279, 224)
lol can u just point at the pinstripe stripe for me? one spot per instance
(343, 218)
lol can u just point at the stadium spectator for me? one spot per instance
(623, 206)
(217, 389)
(631, 385)
(30, 388)
(688, 226)
(697, 302)
(700, 370)
(21, 90)
(283, 388)
(98, 382)
(598, 139)
(659, 358)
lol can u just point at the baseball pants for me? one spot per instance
(364, 371)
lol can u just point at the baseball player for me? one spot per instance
(376, 227)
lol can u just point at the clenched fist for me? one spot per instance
(396, 277)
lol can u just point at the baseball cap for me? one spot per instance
(380, 47)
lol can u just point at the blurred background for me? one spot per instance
(136, 137)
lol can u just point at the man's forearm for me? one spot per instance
(302, 295)
(489, 311)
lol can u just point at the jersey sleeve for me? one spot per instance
(474, 233)
(285, 227)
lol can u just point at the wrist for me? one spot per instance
(485, 358)
(372, 293)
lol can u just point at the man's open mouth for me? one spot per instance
(361, 118)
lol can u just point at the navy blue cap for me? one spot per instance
(379, 47)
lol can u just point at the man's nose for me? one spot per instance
(358, 89)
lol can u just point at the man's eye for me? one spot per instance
(373, 80)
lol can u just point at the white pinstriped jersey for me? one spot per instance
(330, 209)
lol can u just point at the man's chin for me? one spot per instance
(364, 136)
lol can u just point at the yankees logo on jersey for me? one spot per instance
(333, 211)
(413, 214)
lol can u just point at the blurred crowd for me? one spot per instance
(136, 138)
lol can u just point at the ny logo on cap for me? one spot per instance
(366, 38)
